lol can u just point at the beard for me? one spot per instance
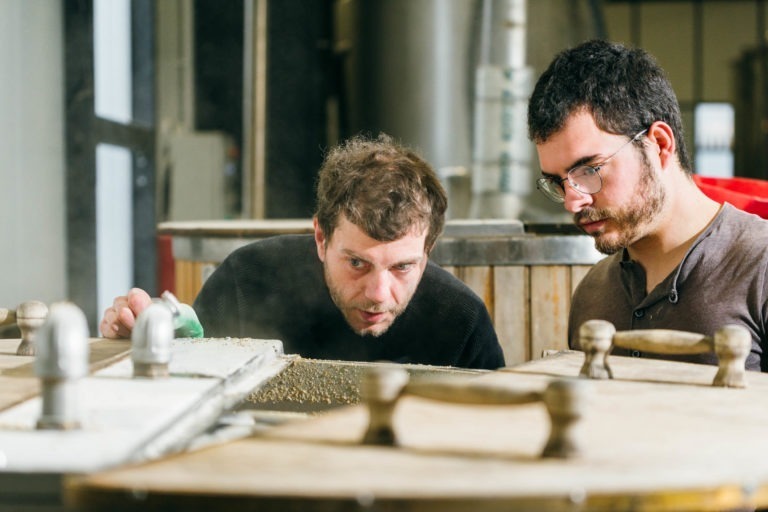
(630, 220)
(349, 309)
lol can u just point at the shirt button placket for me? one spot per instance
(638, 314)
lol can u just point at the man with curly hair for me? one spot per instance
(362, 288)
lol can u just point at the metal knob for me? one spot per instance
(28, 316)
(151, 341)
(61, 360)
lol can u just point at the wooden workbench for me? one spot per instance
(123, 419)
(17, 376)
(657, 437)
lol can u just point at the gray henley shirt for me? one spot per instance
(722, 279)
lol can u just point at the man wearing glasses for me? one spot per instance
(609, 136)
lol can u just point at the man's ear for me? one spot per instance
(320, 239)
(661, 134)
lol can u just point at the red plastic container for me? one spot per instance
(748, 194)
(166, 268)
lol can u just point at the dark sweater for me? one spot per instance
(274, 288)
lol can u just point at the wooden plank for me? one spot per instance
(511, 315)
(14, 390)
(480, 281)
(577, 274)
(452, 270)
(550, 301)
(8, 357)
(189, 280)
(194, 270)
(182, 279)
(485, 458)
(258, 228)
(105, 352)
(102, 352)
(17, 374)
(125, 419)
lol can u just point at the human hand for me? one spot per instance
(118, 320)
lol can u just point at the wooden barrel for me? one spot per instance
(525, 274)
(656, 437)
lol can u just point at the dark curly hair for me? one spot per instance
(383, 188)
(624, 89)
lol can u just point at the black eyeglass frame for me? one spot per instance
(554, 188)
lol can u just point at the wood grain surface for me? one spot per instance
(17, 374)
(656, 437)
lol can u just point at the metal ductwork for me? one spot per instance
(501, 156)
(452, 78)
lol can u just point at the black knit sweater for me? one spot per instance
(274, 288)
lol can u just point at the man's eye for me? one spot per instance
(583, 171)
(403, 267)
(355, 263)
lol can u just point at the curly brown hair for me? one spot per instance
(382, 187)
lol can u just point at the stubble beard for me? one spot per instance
(348, 309)
(630, 221)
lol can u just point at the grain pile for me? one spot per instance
(313, 385)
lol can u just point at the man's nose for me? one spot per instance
(575, 201)
(377, 286)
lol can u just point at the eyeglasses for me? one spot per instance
(584, 179)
